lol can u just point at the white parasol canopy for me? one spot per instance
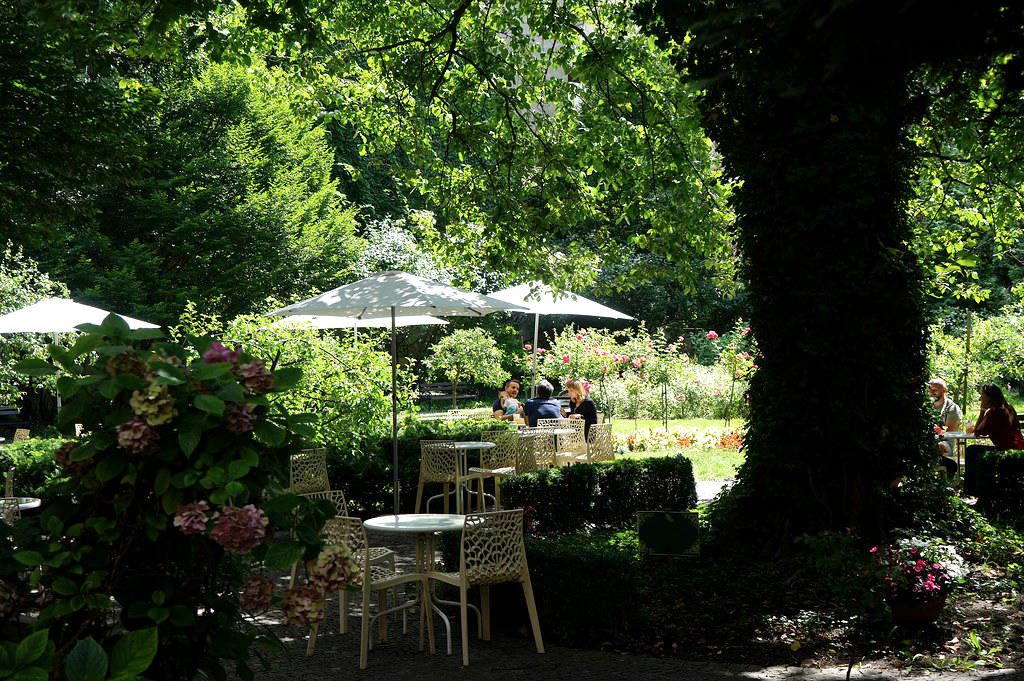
(539, 298)
(400, 294)
(329, 322)
(395, 294)
(59, 315)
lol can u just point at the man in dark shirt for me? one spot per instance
(511, 387)
(542, 406)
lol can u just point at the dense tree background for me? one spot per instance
(856, 163)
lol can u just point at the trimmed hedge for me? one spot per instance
(999, 482)
(568, 610)
(606, 494)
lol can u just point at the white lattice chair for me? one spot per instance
(599, 444)
(542, 445)
(441, 463)
(308, 472)
(377, 553)
(499, 460)
(491, 552)
(346, 531)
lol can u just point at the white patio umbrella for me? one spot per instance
(392, 295)
(328, 322)
(538, 298)
(60, 315)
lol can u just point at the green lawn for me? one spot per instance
(708, 463)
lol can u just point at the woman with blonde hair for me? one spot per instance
(580, 405)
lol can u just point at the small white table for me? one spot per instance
(424, 526)
(26, 503)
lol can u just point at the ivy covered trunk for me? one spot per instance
(807, 101)
(836, 408)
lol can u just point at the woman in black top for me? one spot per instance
(581, 406)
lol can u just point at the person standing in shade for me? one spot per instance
(511, 390)
(580, 405)
(950, 417)
(997, 420)
(542, 406)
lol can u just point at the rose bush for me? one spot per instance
(165, 507)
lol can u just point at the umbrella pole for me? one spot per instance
(536, 327)
(394, 406)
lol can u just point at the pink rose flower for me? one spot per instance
(565, 359)
(745, 331)
(219, 353)
(239, 530)
(712, 335)
(256, 594)
(191, 518)
(579, 337)
(527, 347)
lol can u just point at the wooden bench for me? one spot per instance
(10, 417)
(443, 391)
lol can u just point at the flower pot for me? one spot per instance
(915, 612)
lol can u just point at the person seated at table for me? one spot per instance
(998, 421)
(542, 406)
(511, 390)
(580, 405)
(950, 417)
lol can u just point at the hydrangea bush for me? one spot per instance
(163, 521)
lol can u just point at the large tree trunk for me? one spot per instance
(836, 407)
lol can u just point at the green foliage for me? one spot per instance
(238, 203)
(467, 355)
(22, 283)
(562, 500)
(157, 519)
(346, 382)
(34, 468)
(996, 354)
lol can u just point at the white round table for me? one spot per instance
(424, 526)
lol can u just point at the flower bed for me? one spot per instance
(679, 437)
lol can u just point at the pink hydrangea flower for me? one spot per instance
(303, 606)
(219, 353)
(255, 377)
(256, 594)
(138, 436)
(334, 569)
(712, 335)
(239, 417)
(192, 518)
(239, 530)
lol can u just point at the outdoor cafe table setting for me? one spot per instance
(958, 439)
(424, 526)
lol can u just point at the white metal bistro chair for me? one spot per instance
(491, 552)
